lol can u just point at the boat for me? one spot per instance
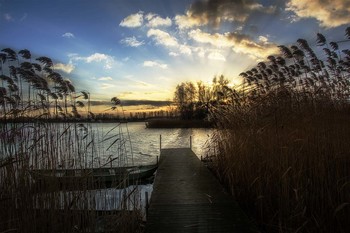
(93, 177)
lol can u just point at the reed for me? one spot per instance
(32, 91)
(281, 144)
(31, 206)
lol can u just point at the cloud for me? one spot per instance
(173, 54)
(330, 13)
(154, 64)
(217, 39)
(162, 38)
(200, 51)
(68, 35)
(132, 42)
(24, 17)
(106, 85)
(184, 49)
(105, 78)
(133, 21)
(239, 43)
(8, 17)
(187, 21)
(142, 84)
(67, 68)
(216, 56)
(96, 57)
(157, 21)
(214, 12)
(263, 39)
(125, 93)
(170, 42)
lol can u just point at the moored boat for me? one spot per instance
(93, 177)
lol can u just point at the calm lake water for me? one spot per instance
(66, 142)
(145, 142)
(100, 144)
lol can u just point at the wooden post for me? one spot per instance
(160, 142)
(191, 142)
(146, 207)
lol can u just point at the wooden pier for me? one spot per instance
(188, 198)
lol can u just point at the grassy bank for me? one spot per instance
(177, 123)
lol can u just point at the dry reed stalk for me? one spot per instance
(283, 150)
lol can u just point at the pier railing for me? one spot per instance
(160, 142)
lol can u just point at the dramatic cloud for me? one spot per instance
(67, 68)
(330, 13)
(68, 35)
(133, 21)
(239, 43)
(162, 38)
(157, 21)
(132, 42)
(214, 12)
(217, 39)
(105, 78)
(154, 64)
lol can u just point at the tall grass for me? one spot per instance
(31, 206)
(36, 92)
(282, 143)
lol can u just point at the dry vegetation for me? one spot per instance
(282, 143)
(35, 91)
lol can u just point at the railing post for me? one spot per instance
(160, 142)
(147, 204)
(191, 142)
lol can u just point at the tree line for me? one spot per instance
(196, 100)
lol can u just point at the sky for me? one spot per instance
(141, 49)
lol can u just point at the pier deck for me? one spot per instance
(188, 198)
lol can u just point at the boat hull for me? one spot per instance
(92, 178)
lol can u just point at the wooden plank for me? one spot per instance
(186, 197)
